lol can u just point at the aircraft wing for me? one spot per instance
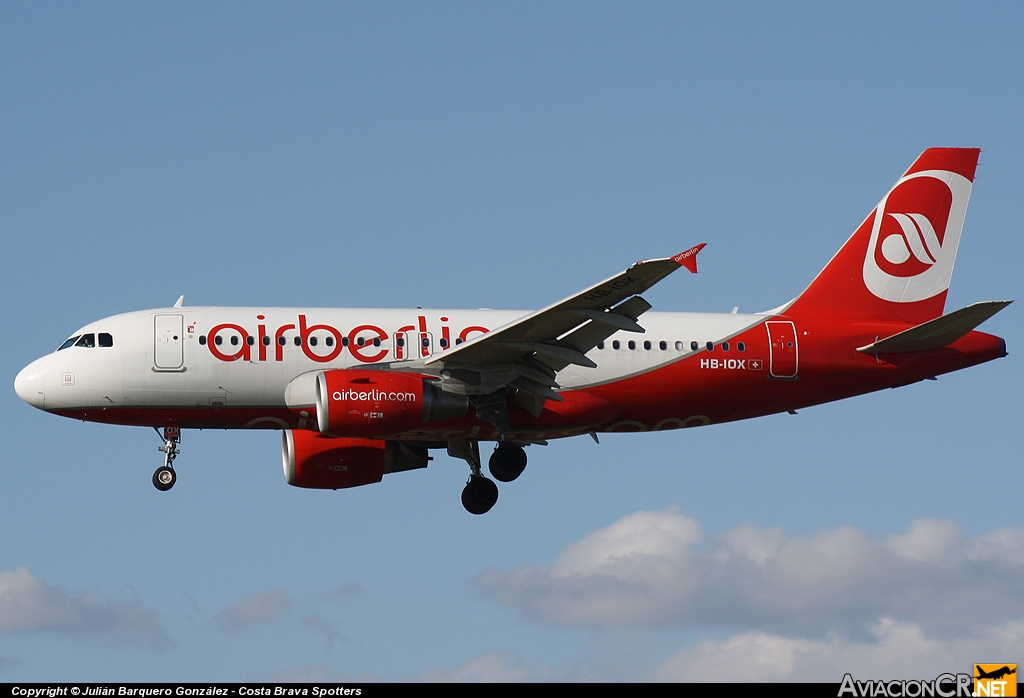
(527, 353)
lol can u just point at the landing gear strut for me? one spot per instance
(480, 494)
(164, 477)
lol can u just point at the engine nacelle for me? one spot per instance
(360, 403)
(324, 462)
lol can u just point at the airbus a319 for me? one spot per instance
(360, 393)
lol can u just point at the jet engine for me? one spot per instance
(376, 404)
(323, 462)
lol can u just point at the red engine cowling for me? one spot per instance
(321, 462)
(360, 403)
(324, 462)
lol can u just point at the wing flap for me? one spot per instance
(612, 319)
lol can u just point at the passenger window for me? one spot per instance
(647, 346)
(600, 345)
(298, 341)
(694, 346)
(631, 344)
(344, 341)
(679, 346)
(250, 340)
(740, 346)
(376, 341)
(615, 344)
(330, 341)
(663, 345)
(106, 340)
(202, 339)
(401, 341)
(444, 343)
(725, 346)
(360, 341)
(710, 346)
(282, 341)
(266, 341)
(312, 341)
(68, 343)
(234, 340)
(86, 340)
(458, 341)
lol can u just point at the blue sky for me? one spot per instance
(503, 155)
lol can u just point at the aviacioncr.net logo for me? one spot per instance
(915, 231)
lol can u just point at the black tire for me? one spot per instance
(164, 478)
(507, 462)
(479, 495)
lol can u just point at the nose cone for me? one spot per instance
(29, 384)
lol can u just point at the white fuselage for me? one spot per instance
(203, 357)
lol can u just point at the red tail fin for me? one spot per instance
(899, 261)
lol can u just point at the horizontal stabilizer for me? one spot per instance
(937, 333)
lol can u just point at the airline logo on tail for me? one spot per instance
(914, 236)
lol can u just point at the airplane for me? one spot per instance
(996, 674)
(360, 393)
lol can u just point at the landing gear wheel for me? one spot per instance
(479, 495)
(163, 478)
(507, 462)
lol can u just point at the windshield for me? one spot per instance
(68, 343)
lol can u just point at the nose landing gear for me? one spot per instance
(165, 477)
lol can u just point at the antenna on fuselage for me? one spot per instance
(181, 299)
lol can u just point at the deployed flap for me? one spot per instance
(937, 333)
(526, 336)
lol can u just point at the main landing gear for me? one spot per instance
(164, 477)
(506, 464)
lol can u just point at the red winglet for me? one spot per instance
(688, 259)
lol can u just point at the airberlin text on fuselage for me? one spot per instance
(365, 342)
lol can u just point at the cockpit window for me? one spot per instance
(86, 340)
(106, 340)
(68, 343)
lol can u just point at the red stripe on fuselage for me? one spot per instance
(689, 392)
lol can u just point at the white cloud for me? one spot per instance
(910, 605)
(651, 570)
(499, 667)
(894, 651)
(255, 610)
(493, 667)
(28, 604)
